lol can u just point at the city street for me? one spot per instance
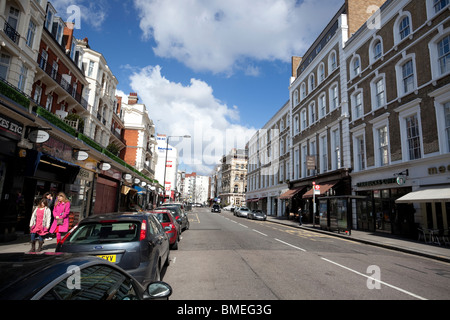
(223, 257)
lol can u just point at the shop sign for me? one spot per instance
(10, 128)
(376, 182)
(439, 170)
(38, 136)
(80, 155)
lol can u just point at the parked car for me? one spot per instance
(136, 242)
(170, 225)
(177, 204)
(257, 215)
(215, 208)
(228, 208)
(179, 215)
(242, 212)
(60, 276)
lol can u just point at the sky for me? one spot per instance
(216, 70)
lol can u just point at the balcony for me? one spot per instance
(11, 33)
(58, 78)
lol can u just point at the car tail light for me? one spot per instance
(143, 230)
(68, 234)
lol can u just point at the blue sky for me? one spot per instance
(217, 70)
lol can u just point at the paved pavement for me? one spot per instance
(389, 241)
(429, 250)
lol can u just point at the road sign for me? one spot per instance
(317, 189)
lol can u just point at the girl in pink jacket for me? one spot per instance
(61, 212)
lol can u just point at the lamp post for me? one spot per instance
(165, 162)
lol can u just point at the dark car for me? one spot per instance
(61, 276)
(179, 215)
(257, 215)
(215, 208)
(170, 225)
(136, 242)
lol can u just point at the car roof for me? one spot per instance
(22, 275)
(115, 216)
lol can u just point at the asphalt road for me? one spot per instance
(223, 257)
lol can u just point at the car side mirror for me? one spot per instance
(159, 290)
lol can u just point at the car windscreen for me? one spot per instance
(162, 217)
(111, 232)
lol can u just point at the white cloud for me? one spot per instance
(192, 109)
(220, 36)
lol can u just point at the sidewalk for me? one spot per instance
(22, 244)
(388, 241)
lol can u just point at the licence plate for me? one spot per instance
(110, 258)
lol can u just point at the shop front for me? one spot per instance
(11, 179)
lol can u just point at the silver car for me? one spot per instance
(243, 212)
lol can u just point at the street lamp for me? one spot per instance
(165, 162)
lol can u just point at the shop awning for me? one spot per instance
(324, 187)
(427, 195)
(290, 193)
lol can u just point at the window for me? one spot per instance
(55, 69)
(360, 153)
(336, 149)
(376, 49)
(91, 68)
(444, 55)
(297, 164)
(323, 153)
(296, 124)
(357, 105)
(4, 65)
(447, 124)
(312, 152)
(356, 66)
(378, 93)
(334, 97)
(49, 103)
(312, 113)
(304, 155)
(322, 106)
(37, 94)
(22, 78)
(321, 73)
(312, 82)
(413, 137)
(30, 34)
(404, 28)
(383, 145)
(408, 76)
(49, 19)
(332, 62)
(303, 120)
(303, 91)
(438, 5)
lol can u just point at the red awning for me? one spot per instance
(324, 187)
(290, 193)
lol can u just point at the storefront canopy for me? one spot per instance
(290, 193)
(324, 187)
(426, 195)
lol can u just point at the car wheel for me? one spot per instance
(175, 245)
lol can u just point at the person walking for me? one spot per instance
(61, 212)
(51, 203)
(300, 216)
(39, 224)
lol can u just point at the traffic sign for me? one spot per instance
(317, 189)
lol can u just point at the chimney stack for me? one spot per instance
(133, 98)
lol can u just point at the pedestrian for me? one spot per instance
(39, 224)
(51, 204)
(300, 216)
(61, 216)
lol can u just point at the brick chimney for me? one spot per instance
(133, 98)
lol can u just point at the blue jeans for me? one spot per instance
(33, 237)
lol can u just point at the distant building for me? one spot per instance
(234, 177)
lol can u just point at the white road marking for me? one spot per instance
(290, 245)
(382, 282)
(260, 232)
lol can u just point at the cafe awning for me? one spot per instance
(290, 193)
(324, 187)
(431, 194)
